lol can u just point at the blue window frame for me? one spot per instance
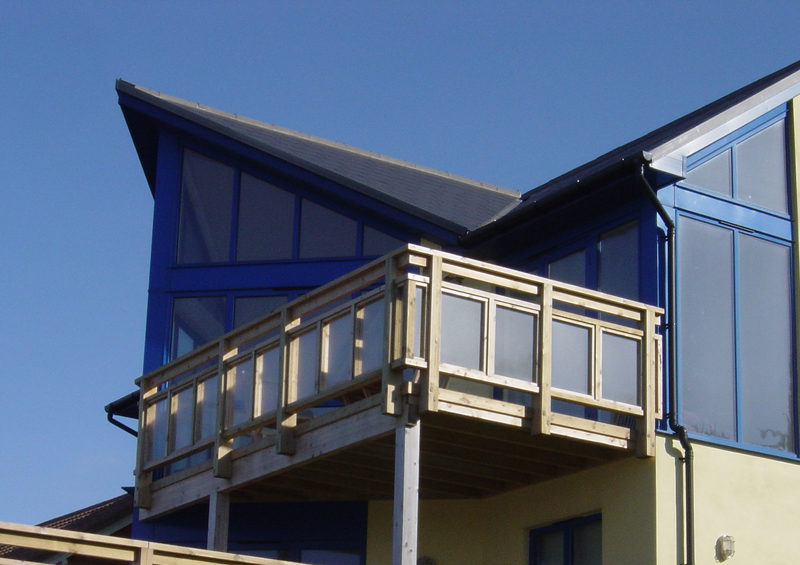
(736, 365)
(573, 542)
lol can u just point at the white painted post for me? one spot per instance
(406, 495)
(219, 510)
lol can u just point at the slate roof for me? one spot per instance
(455, 203)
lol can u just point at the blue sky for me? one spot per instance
(511, 93)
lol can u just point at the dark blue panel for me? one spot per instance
(734, 213)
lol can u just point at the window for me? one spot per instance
(574, 542)
(735, 305)
(227, 215)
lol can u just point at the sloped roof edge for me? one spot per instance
(194, 112)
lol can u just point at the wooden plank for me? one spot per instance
(333, 392)
(141, 497)
(406, 495)
(589, 436)
(593, 426)
(481, 403)
(430, 385)
(287, 388)
(540, 424)
(495, 380)
(646, 425)
(512, 283)
(479, 414)
(609, 306)
(221, 454)
(392, 328)
(219, 511)
(585, 400)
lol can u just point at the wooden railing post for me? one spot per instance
(142, 498)
(144, 555)
(646, 432)
(391, 381)
(222, 447)
(287, 387)
(219, 510)
(429, 399)
(542, 402)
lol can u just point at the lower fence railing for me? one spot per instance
(475, 339)
(117, 549)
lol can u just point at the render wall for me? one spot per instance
(754, 498)
(495, 531)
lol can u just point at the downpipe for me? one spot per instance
(672, 418)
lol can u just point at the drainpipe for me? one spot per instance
(672, 418)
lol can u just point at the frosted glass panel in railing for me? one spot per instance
(267, 377)
(307, 346)
(571, 354)
(157, 416)
(620, 368)
(515, 344)
(182, 418)
(370, 343)
(207, 405)
(240, 379)
(339, 358)
(462, 332)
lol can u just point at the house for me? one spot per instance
(354, 359)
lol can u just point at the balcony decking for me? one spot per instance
(311, 402)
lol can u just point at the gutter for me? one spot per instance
(672, 418)
(119, 407)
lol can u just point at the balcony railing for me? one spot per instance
(460, 335)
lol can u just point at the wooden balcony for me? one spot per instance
(488, 378)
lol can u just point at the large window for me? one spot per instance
(735, 304)
(574, 542)
(230, 216)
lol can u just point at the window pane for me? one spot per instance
(765, 335)
(570, 269)
(267, 375)
(266, 221)
(240, 379)
(462, 332)
(378, 243)
(248, 308)
(713, 175)
(370, 345)
(618, 272)
(307, 357)
(340, 351)
(324, 233)
(195, 322)
(571, 347)
(157, 416)
(548, 549)
(515, 344)
(761, 169)
(587, 544)
(204, 233)
(620, 368)
(706, 338)
(419, 310)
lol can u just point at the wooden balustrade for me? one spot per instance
(474, 339)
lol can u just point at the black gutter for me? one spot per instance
(672, 418)
(122, 407)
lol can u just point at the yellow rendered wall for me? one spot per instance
(494, 531)
(755, 499)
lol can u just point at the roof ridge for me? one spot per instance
(326, 142)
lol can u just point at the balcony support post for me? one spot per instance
(406, 494)
(222, 447)
(392, 330)
(646, 427)
(219, 511)
(287, 386)
(542, 401)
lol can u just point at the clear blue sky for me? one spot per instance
(511, 93)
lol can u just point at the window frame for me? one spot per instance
(567, 527)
